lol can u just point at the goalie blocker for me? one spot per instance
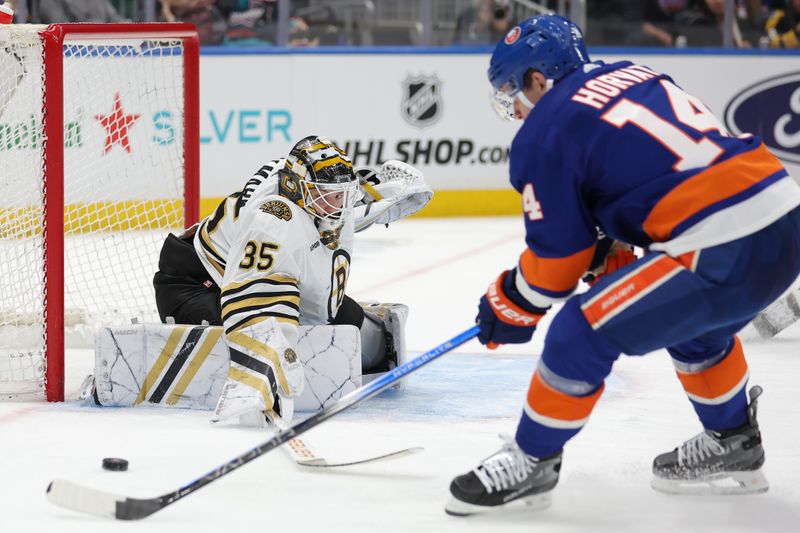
(185, 366)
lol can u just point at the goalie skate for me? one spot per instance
(727, 462)
(508, 480)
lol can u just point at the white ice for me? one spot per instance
(454, 408)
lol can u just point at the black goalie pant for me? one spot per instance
(184, 290)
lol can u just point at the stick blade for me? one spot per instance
(82, 499)
(322, 463)
(95, 502)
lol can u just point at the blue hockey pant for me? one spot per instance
(692, 305)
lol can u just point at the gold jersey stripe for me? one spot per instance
(266, 300)
(253, 382)
(278, 278)
(264, 351)
(214, 264)
(210, 251)
(205, 239)
(161, 362)
(194, 365)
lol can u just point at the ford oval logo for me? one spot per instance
(771, 110)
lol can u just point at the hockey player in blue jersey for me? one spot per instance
(621, 149)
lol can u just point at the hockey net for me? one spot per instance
(98, 162)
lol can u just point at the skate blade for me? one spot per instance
(456, 507)
(723, 483)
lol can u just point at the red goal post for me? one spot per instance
(99, 159)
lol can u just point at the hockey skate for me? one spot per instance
(727, 462)
(509, 479)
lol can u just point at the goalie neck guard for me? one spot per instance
(318, 176)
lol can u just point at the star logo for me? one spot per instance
(117, 124)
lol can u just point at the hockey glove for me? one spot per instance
(504, 315)
(609, 256)
(395, 191)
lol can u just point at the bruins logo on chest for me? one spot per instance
(277, 208)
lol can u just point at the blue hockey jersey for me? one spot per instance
(621, 148)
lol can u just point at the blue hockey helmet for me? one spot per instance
(548, 43)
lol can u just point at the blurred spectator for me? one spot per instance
(256, 22)
(603, 9)
(615, 22)
(712, 14)
(663, 20)
(210, 23)
(52, 11)
(783, 26)
(484, 23)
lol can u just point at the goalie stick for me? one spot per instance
(100, 503)
(302, 453)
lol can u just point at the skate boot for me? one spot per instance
(509, 479)
(727, 462)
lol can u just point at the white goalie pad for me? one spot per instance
(395, 191)
(184, 366)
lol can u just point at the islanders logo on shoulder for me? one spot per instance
(277, 208)
(513, 35)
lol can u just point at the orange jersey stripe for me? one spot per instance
(717, 383)
(555, 274)
(628, 290)
(689, 260)
(547, 402)
(708, 187)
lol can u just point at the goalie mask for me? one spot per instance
(318, 176)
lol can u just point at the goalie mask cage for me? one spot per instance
(99, 150)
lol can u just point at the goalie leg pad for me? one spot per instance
(383, 339)
(169, 365)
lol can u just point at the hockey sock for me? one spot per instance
(552, 417)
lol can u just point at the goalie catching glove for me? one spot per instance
(504, 315)
(395, 191)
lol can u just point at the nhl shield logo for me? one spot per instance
(422, 100)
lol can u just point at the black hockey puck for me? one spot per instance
(115, 464)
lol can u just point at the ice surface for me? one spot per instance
(454, 408)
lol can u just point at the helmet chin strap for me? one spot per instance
(524, 99)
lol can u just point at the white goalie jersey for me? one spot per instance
(275, 272)
(265, 254)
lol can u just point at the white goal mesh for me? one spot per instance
(123, 182)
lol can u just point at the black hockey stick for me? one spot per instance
(101, 503)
